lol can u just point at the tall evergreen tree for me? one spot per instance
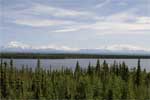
(98, 66)
(77, 69)
(38, 64)
(5, 82)
(105, 67)
(138, 74)
(124, 72)
(1, 62)
(11, 63)
(89, 69)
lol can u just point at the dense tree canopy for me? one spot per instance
(102, 81)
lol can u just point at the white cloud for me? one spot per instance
(124, 22)
(33, 16)
(122, 27)
(122, 16)
(56, 47)
(56, 11)
(42, 22)
(143, 20)
(66, 30)
(114, 47)
(102, 4)
(16, 44)
(121, 47)
(110, 27)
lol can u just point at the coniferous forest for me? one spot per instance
(98, 82)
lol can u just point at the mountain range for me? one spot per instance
(114, 49)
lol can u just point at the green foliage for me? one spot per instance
(95, 83)
(98, 66)
(138, 74)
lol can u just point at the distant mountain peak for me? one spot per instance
(15, 46)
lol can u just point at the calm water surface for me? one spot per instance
(70, 63)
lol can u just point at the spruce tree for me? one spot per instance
(89, 71)
(11, 62)
(105, 67)
(77, 69)
(38, 64)
(98, 66)
(138, 74)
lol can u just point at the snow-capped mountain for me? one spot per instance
(113, 49)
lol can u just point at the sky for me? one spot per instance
(74, 24)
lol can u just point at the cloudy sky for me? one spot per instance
(72, 24)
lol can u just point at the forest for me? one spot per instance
(17, 55)
(98, 82)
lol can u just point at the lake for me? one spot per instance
(71, 63)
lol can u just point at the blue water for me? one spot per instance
(70, 63)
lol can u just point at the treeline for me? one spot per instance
(68, 56)
(98, 82)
